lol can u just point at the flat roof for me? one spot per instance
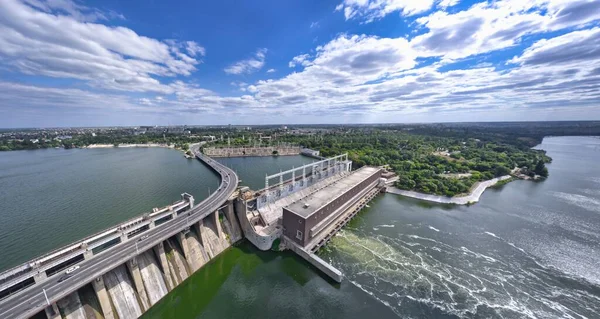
(326, 195)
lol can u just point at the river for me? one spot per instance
(50, 198)
(527, 249)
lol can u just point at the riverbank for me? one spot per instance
(128, 145)
(472, 197)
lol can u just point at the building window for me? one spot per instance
(299, 234)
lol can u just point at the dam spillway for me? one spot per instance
(130, 289)
(124, 270)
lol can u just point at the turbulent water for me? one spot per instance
(528, 250)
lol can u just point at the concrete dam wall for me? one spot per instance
(130, 289)
(251, 151)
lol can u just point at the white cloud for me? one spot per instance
(48, 44)
(364, 76)
(314, 24)
(370, 10)
(447, 3)
(73, 9)
(194, 49)
(250, 65)
(570, 48)
(491, 26)
(299, 60)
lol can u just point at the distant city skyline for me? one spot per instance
(70, 63)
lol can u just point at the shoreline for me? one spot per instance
(128, 145)
(472, 197)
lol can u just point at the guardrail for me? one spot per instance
(46, 261)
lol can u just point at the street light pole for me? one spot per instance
(136, 248)
(47, 301)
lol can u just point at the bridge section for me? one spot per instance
(127, 268)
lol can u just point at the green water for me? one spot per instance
(244, 282)
(50, 198)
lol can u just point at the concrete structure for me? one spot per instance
(306, 206)
(311, 153)
(305, 219)
(251, 151)
(126, 268)
(260, 213)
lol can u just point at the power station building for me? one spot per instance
(305, 220)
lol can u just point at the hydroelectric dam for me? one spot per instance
(124, 270)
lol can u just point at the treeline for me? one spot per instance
(426, 163)
(178, 141)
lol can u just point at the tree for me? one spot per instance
(540, 169)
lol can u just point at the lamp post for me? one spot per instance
(45, 295)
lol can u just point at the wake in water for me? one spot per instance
(418, 277)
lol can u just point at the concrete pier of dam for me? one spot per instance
(252, 151)
(124, 270)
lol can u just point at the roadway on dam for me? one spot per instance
(31, 300)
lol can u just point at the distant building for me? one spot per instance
(209, 138)
(309, 152)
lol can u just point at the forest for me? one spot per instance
(428, 163)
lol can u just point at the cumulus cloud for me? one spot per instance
(73, 9)
(194, 49)
(351, 75)
(570, 48)
(491, 26)
(250, 65)
(447, 3)
(370, 10)
(50, 44)
(299, 60)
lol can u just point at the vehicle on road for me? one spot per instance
(65, 277)
(72, 269)
(143, 237)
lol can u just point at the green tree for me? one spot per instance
(540, 169)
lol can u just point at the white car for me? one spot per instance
(72, 269)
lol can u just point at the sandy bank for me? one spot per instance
(462, 200)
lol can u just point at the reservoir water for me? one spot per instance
(50, 198)
(525, 250)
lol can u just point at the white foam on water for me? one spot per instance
(488, 258)
(491, 234)
(433, 228)
(391, 269)
(387, 226)
(585, 202)
(594, 179)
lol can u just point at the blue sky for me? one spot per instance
(89, 63)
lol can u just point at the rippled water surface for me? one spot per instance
(526, 250)
(49, 198)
